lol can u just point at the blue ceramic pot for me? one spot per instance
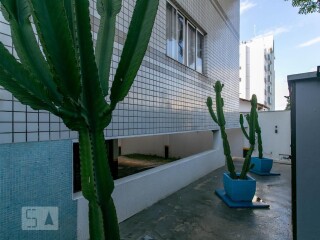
(238, 189)
(262, 165)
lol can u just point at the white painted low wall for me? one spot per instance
(137, 192)
(180, 145)
(275, 144)
(235, 138)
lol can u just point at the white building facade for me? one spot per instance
(257, 75)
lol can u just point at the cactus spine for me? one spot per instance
(252, 121)
(220, 120)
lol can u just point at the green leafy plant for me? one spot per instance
(258, 131)
(307, 6)
(69, 78)
(220, 120)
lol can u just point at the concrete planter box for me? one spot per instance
(239, 190)
(262, 165)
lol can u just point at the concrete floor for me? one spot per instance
(196, 213)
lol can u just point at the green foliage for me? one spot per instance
(257, 130)
(307, 6)
(133, 50)
(220, 120)
(288, 106)
(252, 120)
(68, 78)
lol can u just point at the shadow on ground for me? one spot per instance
(196, 213)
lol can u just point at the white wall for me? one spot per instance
(235, 138)
(134, 193)
(180, 144)
(153, 145)
(244, 106)
(275, 143)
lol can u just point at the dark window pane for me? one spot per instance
(180, 38)
(171, 31)
(191, 46)
(200, 43)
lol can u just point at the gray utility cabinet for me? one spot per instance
(305, 148)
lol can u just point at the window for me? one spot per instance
(185, 43)
(200, 43)
(180, 38)
(171, 31)
(191, 46)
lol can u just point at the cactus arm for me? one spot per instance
(227, 153)
(209, 105)
(248, 118)
(247, 163)
(16, 79)
(108, 10)
(17, 13)
(219, 103)
(258, 131)
(69, 6)
(89, 72)
(219, 119)
(93, 107)
(242, 127)
(88, 185)
(134, 48)
(52, 25)
(252, 130)
(97, 185)
(104, 186)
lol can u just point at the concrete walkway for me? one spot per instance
(196, 213)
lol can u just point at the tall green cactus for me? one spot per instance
(259, 138)
(252, 120)
(258, 132)
(67, 77)
(219, 119)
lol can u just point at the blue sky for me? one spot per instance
(296, 38)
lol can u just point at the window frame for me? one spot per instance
(202, 66)
(176, 23)
(186, 23)
(195, 43)
(184, 36)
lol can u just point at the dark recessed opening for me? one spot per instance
(112, 158)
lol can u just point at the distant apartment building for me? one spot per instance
(257, 75)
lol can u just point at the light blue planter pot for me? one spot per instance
(262, 165)
(239, 190)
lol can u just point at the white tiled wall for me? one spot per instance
(166, 96)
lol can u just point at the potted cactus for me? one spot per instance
(238, 186)
(260, 164)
